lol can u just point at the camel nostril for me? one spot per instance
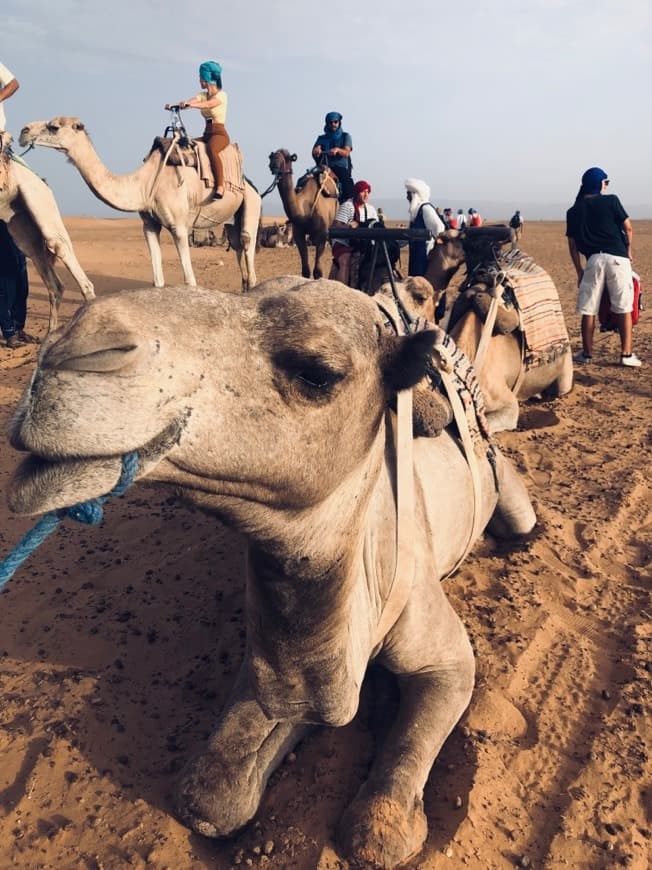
(104, 360)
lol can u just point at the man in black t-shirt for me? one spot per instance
(598, 228)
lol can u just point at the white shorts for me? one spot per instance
(614, 273)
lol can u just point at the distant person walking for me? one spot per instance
(599, 228)
(334, 147)
(212, 103)
(461, 219)
(516, 223)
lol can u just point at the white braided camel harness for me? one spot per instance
(444, 354)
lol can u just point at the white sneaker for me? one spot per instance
(581, 360)
(631, 360)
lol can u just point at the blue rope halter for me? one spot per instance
(89, 512)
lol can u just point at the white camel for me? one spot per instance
(30, 211)
(173, 197)
(271, 409)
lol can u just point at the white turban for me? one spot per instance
(420, 194)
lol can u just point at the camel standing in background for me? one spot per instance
(311, 210)
(173, 197)
(30, 211)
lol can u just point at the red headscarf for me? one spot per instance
(358, 187)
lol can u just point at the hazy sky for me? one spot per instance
(490, 102)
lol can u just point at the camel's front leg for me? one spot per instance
(302, 247)
(221, 789)
(386, 823)
(180, 236)
(152, 233)
(319, 250)
(62, 250)
(53, 285)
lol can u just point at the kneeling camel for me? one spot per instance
(520, 350)
(272, 410)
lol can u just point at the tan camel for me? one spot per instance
(173, 197)
(270, 409)
(30, 211)
(310, 209)
(275, 235)
(507, 374)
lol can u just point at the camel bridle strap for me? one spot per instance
(446, 373)
(401, 585)
(496, 293)
(326, 176)
(89, 512)
(174, 145)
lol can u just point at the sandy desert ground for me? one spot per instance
(119, 643)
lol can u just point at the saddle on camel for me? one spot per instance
(178, 149)
(526, 298)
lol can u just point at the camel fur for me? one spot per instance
(30, 211)
(311, 210)
(503, 377)
(174, 197)
(270, 410)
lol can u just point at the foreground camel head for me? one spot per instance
(303, 360)
(58, 133)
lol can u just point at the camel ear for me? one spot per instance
(406, 358)
(293, 157)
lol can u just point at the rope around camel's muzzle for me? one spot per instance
(88, 512)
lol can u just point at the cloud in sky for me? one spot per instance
(503, 102)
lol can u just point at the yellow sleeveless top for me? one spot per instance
(216, 113)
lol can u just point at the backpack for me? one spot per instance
(515, 222)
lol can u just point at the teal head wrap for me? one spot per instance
(211, 71)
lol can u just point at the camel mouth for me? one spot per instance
(26, 138)
(42, 483)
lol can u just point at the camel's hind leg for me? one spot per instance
(564, 383)
(219, 791)
(249, 217)
(514, 515)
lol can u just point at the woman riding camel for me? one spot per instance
(212, 104)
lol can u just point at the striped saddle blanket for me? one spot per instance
(540, 313)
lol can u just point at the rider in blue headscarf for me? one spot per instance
(334, 147)
(212, 103)
(211, 71)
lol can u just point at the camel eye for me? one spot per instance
(316, 376)
(311, 377)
